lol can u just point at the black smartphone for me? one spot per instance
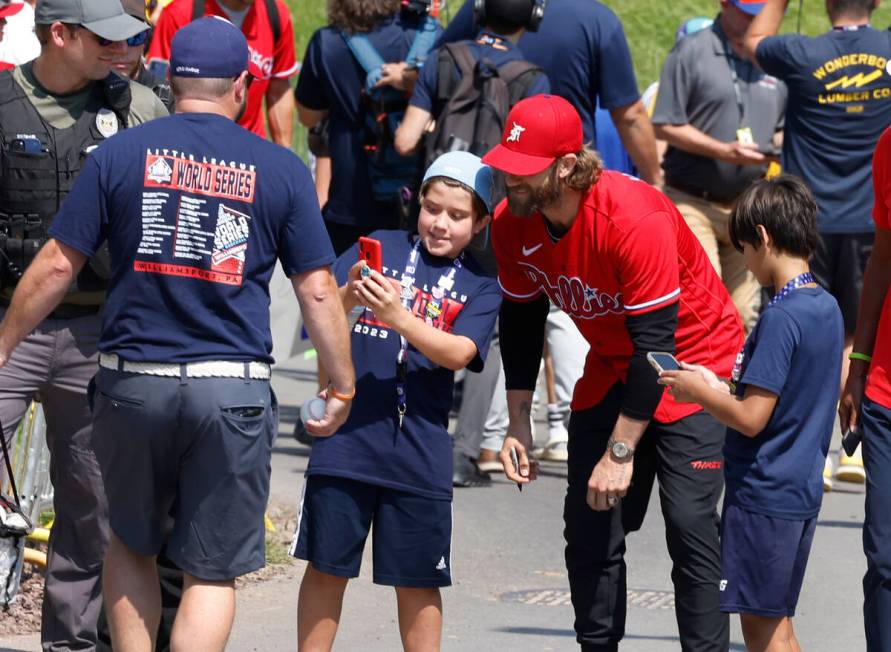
(662, 361)
(851, 440)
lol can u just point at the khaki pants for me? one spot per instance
(710, 223)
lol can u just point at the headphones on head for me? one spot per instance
(532, 23)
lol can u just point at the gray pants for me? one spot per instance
(56, 362)
(483, 419)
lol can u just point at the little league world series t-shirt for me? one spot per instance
(839, 103)
(628, 252)
(878, 387)
(196, 210)
(794, 352)
(269, 59)
(370, 446)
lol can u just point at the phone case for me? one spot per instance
(370, 252)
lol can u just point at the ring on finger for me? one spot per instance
(612, 500)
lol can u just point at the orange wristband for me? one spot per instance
(339, 396)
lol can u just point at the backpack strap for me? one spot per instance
(275, 20)
(519, 77)
(452, 55)
(197, 9)
(423, 42)
(367, 56)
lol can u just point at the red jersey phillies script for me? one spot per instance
(268, 59)
(628, 252)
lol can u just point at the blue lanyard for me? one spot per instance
(797, 282)
(431, 312)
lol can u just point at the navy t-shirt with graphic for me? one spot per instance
(196, 211)
(331, 79)
(795, 352)
(839, 103)
(488, 45)
(581, 46)
(370, 446)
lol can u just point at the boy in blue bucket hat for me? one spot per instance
(430, 312)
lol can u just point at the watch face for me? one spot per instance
(620, 450)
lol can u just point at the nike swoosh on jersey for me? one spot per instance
(532, 250)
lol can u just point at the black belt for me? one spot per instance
(699, 192)
(65, 310)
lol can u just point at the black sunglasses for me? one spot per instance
(134, 41)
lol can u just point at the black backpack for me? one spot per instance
(470, 111)
(271, 9)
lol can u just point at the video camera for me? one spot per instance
(422, 7)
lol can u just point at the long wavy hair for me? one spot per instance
(357, 16)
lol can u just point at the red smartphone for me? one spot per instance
(370, 252)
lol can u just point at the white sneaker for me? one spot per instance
(554, 452)
(827, 475)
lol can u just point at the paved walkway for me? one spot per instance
(511, 591)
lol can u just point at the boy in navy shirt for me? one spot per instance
(779, 420)
(430, 313)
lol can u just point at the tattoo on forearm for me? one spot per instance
(525, 408)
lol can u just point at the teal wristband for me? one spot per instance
(863, 357)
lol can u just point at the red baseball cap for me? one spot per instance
(537, 131)
(8, 9)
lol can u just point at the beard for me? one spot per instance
(535, 198)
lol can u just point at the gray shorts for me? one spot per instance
(187, 462)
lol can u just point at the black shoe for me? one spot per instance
(301, 435)
(465, 473)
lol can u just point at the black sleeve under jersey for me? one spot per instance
(521, 330)
(651, 331)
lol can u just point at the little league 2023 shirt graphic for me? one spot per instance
(628, 252)
(196, 211)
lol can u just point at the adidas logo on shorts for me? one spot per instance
(441, 565)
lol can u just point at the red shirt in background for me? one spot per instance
(878, 385)
(268, 59)
(6, 66)
(628, 252)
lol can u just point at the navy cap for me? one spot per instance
(209, 47)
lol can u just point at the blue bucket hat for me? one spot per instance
(466, 168)
(209, 47)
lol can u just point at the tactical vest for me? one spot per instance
(38, 167)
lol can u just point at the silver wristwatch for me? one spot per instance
(619, 450)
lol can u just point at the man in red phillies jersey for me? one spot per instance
(272, 62)
(617, 256)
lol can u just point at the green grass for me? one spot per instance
(650, 27)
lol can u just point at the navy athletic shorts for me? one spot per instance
(763, 560)
(186, 463)
(411, 537)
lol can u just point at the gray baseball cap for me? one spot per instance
(105, 18)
